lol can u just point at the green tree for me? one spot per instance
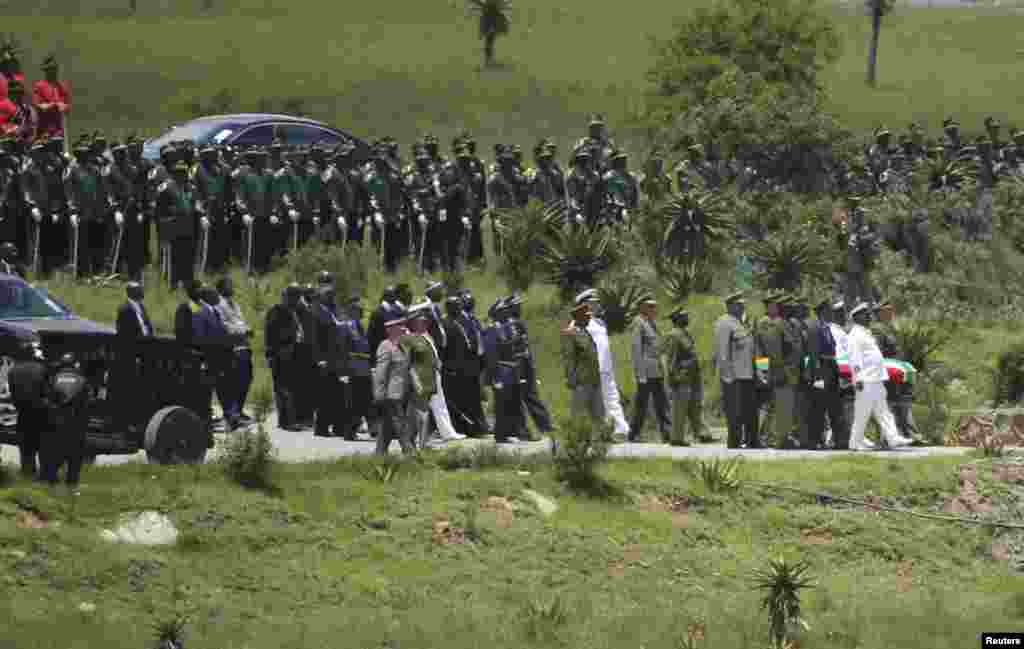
(785, 42)
(876, 9)
(494, 21)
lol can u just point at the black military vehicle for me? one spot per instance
(150, 395)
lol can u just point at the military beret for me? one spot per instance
(620, 155)
(992, 122)
(463, 152)
(839, 305)
(881, 130)
(734, 298)
(582, 153)
(696, 148)
(949, 122)
(678, 313)
(50, 63)
(1016, 133)
(597, 119)
(860, 308)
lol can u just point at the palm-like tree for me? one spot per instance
(876, 9)
(785, 258)
(522, 233)
(494, 21)
(573, 257)
(684, 277)
(695, 219)
(620, 297)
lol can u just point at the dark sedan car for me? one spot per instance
(255, 129)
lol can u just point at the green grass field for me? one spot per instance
(401, 69)
(462, 559)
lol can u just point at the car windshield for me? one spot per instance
(200, 132)
(20, 300)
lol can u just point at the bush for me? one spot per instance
(249, 456)
(580, 449)
(1009, 375)
(575, 256)
(351, 267)
(522, 233)
(620, 297)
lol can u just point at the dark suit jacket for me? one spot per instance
(823, 369)
(183, 322)
(281, 333)
(460, 355)
(128, 323)
(327, 342)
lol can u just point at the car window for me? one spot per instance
(199, 132)
(305, 135)
(19, 300)
(256, 136)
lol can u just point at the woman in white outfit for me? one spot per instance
(869, 375)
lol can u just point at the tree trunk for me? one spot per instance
(876, 29)
(489, 50)
(133, 5)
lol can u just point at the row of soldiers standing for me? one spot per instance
(94, 210)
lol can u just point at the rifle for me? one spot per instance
(117, 247)
(205, 246)
(74, 245)
(35, 248)
(248, 256)
(423, 240)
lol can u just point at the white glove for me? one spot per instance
(625, 213)
(498, 386)
(641, 381)
(422, 220)
(443, 216)
(378, 218)
(204, 223)
(341, 222)
(247, 219)
(275, 221)
(465, 222)
(293, 215)
(119, 218)
(579, 218)
(345, 380)
(416, 206)
(359, 223)
(200, 207)
(74, 220)
(37, 215)
(819, 384)
(139, 217)
(287, 200)
(316, 220)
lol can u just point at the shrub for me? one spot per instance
(249, 456)
(1008, 378)
(351, 267)
(784, 259)
(543, 619)
(574, 256)
(580, 449)
(919, 340)
(522, 233)
(620, 297)
(782, 582)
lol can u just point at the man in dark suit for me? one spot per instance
(284, 332)
(327, 352)
(825, 393)
(184, 315)
(132, 320)
(461, 367)
(132, 324)
(305, 399)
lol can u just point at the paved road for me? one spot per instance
(304, 447)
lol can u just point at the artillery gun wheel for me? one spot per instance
(176, 435)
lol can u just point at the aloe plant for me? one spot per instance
(782, 582)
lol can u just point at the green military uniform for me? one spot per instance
(899, 395)
(583, 374)
(423, 368)
(681, 368)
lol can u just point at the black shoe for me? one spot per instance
(293, 428)
(246, 418)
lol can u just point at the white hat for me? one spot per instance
(838, 305)
(863, 306)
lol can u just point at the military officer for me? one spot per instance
(121, 192)
(598, 143)
(648, 372)
(506, 188)
(254, 201)
(34, 186)
(503, 376)
(582, 371)
(176, 221)
(478, 177)
(211, 181)
(733, 357)
(341, 180)
(424, 186)
(681, 368)
(81, 187)
(951, 144)
(547, 184)
(386, 198)
(358, 361)
(527, 367)
(328, 354)
(826, 396)
(459, 186)
(284, 332)
(621, 189)
(140, 256)
(655, 184)
(583, 187)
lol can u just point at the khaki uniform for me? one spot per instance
(583, 375)
(681, 367)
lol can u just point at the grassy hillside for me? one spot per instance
(462, 559)
(398, 68)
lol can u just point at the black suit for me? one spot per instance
(328, 349)
(305, 397)
(129, 330)
(826, 401)
(462, 366)
(283, 332)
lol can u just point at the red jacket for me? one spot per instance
(7, 113)
(44, 92)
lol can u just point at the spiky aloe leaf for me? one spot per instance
(696, 220)
(574, 256)
(620, 297)
(522, 234)
(684, 277)
(789, 256)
